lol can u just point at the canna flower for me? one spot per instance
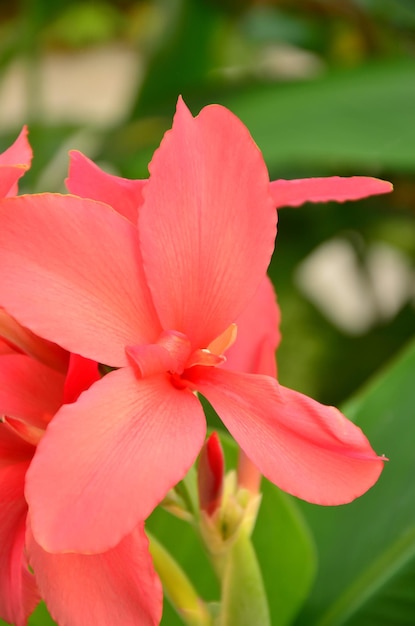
(77, 588)
(36, 378)
(156, 297)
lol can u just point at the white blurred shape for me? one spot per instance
(392, 278)
(351, 298)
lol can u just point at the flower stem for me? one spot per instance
(178, 588)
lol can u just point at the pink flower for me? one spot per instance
(158, 301)
(117, 585)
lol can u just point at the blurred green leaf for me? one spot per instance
(367, 549)
(184, 55)
(362, 119)
(286, 554)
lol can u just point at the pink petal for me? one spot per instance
(7, 348)
(258, 334)
(116, 587)
(86, 179)
(14, 162)
(126, 443)
(207, 225)
(13, 450)
(23, 340)
(333, 188)
(19, 153)
(81, 374)
(78, 264)
(18, 593)
(9, 175)
(29, 390)
(309, 450)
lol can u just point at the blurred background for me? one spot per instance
(325, 87)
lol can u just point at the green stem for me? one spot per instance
(178, 588)
(244, 601)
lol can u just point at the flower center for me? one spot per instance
(173, 353)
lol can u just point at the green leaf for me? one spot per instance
(41, 617)
(367, 549)
(182, 62)
(360, 119)
(286, 553)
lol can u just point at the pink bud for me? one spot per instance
(210, 474)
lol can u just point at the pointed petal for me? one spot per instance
(116, 587)
(309, 450)
(19, 153)
(333, 188)
(77, 263)
(207, 225)
(126, 443)
(29, 390)
(86, 179)
(258, 334)
(14, 162)
(18, 593)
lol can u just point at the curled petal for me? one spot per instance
(86, 179)
(307, 449)
(29, 390)
(127, 442)
(23, 340)
(13, 449)
(207, 224)
(118, 586)
(333, 188)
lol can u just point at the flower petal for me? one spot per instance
(81, 374)
(23, 340)
(309, 450)
(13, 449)
(126, 443)
(333, 188)
(258, 334)
(116, 587)
(86, 179)
(18, 593)
(19, 153)
(207, 225)
(29, 390)
(14, 162)
(70, 270)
